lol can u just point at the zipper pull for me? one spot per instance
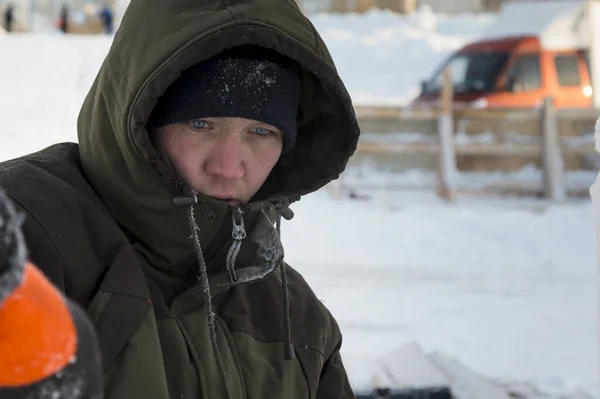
(239, 232)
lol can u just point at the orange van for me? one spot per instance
(513, 72)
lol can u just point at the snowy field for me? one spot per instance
(506, 287)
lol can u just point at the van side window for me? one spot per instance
(586, 58)
(524, 74)
(567, 69)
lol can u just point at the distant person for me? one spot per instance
(106, 15)
(63, 23)
(9, 18)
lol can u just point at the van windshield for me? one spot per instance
(471, 72)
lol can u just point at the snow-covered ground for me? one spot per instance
(510, 292)
(507, 287)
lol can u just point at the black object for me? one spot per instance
(421, 393)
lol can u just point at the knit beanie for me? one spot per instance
(243, 82)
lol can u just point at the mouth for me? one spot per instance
(230, 200)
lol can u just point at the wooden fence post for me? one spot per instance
(338, 6)
(552, 159)
(336, 188)
(446, 172)
(362, 6)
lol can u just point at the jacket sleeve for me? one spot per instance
(333, 383)
(334, 380)
(41, 250)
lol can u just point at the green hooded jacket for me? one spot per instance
(190, 297)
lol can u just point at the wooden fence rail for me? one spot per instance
(488, 149)
(545, 143)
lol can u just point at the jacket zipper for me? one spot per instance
(238, 234)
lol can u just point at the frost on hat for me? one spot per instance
(244, 82)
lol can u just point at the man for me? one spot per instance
(9, 17)
(106, 16)
(206, 121)
(48, 345)
(63, 21)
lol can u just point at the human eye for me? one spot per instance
(262, 131)
(199, 124)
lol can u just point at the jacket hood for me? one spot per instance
(157, 40)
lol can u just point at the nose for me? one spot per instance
(225, 158)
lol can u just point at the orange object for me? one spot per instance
(513, 72)
(37, 334)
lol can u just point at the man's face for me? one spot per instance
(224, 158)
